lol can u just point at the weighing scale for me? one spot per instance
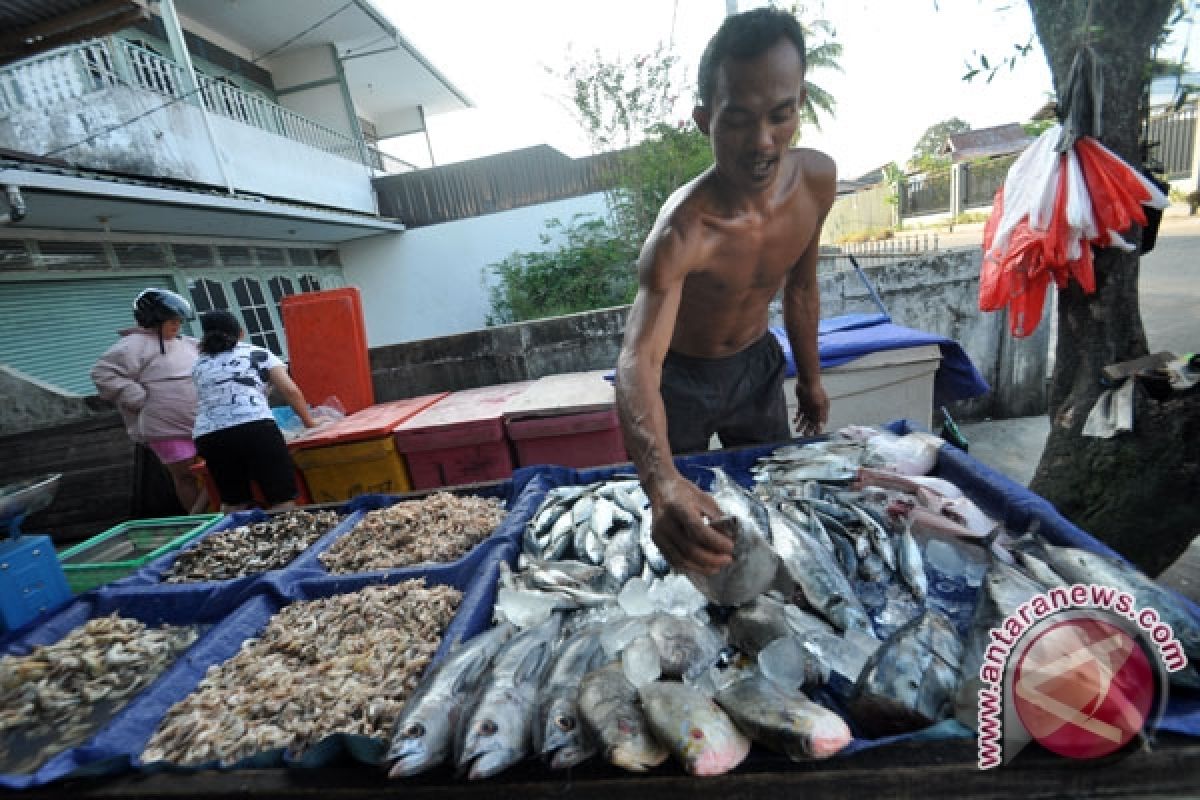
(31, 580)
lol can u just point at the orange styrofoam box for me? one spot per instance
(374, 422)
(200, 471)
(327, 347)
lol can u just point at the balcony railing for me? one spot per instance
(75, 71)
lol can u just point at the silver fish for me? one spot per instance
(911, 681)
(559, 733)
(813, 569)
(623, 557)
(749, 574)
(608, 703)
(755, 625)
(695, 729)
(1003, 590)
(788, 723)
(911, 564)
(497, 734)
(1082, 566)
(424, 730)
(684, 643)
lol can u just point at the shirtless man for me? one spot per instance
(698, 357)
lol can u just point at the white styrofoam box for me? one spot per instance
(878, 387)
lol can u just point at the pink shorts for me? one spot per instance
(170, 451)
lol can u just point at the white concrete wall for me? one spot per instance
(429, 281)
(324, 104)
(171, 142)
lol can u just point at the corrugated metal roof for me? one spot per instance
(515, 179)
(996, 141)
(33, 26)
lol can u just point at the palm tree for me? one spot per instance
(822, 53)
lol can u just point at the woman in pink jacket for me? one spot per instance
(147, 374)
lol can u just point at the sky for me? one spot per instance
(903, 63)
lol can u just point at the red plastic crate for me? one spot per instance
(200, 471)
(327, 346)
(460, 439)
(571, 440)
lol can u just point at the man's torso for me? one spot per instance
(741, 261)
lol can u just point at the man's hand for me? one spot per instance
(682, 532)
(812, 408)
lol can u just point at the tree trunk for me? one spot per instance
(1139, 491)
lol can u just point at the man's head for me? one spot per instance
(742, 37)
(751, 92)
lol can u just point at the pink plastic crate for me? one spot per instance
(460, 439)
(571, 440)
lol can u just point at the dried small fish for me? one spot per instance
(58, 695)
(439, 528)
(251, 549)
(342, 664)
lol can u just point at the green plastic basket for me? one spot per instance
(126, 548)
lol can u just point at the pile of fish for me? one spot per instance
(342, 664)
(58, 695)
(439, 528)
(251, 549)
(863, 594)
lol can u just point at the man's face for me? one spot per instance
(754, 115)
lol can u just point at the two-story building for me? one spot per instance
(225, 150)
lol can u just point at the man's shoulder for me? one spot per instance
(817, 172)
(816, 165)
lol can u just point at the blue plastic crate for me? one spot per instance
(31, 581)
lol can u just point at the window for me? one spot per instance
(235, 256)
(193, 256)
(14, 254)
(309, 283)
(270, 257)
(301, 258)
(328, 258)
(207, 296)
(137, 255)
(280, 287)
(260, 328)
(73, 255)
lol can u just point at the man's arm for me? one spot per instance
(802, 302)
(678, 505)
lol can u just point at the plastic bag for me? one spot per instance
(1053, 208)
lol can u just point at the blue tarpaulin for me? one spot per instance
(840, 340)
(239, 609)
(998, 496)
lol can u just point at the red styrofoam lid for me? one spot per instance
(467, 405)
(371, 423)
(563, 425)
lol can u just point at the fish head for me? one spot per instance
(489, 748)
(563, 729)
(419, 745)
(635, 750)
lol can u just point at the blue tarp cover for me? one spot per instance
(845, 338)
(238, 610)
(118, 746)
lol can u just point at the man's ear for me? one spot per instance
(701, 116)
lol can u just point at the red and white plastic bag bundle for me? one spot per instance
(1052, 209)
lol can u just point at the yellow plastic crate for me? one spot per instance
(342, 471)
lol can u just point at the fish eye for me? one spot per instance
(697, 733)
(488, 727)
(414, 731)
(565, 723)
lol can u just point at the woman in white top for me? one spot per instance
(235, 431)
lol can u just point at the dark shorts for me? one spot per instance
(255, 452)
(740, 398)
